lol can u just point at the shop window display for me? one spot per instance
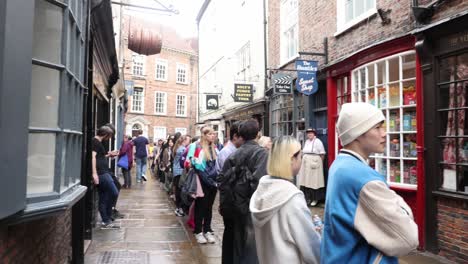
(390, 84)
(453, 137)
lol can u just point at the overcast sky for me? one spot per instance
(184, 22)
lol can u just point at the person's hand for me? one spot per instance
(95, 179)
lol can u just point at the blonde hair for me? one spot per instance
(205, 144)
(263, 141)
(279, 160)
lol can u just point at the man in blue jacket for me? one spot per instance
(365, 221)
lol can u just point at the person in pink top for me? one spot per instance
(127, 148)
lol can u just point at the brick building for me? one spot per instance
(164, 96)
(410, 59)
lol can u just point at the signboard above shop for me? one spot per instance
(243, 93)
(212, 102)
(306, 82)
(282, 83)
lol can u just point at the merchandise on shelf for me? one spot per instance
(382, 97)
(394, 122)
(413, 175)
(409, 146)
(395, 148)
(409, 95)
(395, 172)
(409, 121)
(371, 97)
(394, 93)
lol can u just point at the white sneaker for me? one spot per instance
(200, 238)
(210, 237)
(144, 177)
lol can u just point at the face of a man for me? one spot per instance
(237, 141)
(373, 141)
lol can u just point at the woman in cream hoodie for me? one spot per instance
(284, 232)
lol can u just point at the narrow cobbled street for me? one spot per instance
(150, 232)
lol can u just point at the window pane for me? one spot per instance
(394, 94)
(448, 150)
(47, 31)
(359, 8)
(409, 93)
(371, 75)
(370, 4)
(447, 123)
(463, 178)
(44, 97)
(444, 97)
(381, 72)
(393, 70)
(41, 163)
(463, 150)
(449, 177)
(348, 10)
(410, 172)
(446, 69)
(409, 66)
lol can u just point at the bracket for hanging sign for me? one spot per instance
(324, 54)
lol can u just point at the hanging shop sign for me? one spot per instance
(243, 93)
(306, 82)
(212, 102)
(282, 83)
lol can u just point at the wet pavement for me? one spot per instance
(150, 233)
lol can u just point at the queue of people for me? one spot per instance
(266, 187)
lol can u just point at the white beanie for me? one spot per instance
(356, 119)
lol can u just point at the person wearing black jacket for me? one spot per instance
(237, 182)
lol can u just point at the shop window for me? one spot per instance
(55, 140)
(281, 109)
(453, 128)
(161, 70)
(138, 100)
(389, 84)
(135, 129)
(289, 30)
(138, 63)
(160, 103)
(351, 12)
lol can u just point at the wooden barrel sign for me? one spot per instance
(144, 40)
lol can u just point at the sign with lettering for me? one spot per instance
(306, 82)
(243, 93)
(212, 102)
(282, 83)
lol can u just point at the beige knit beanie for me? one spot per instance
(356, 119)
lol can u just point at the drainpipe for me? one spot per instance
(266, 115)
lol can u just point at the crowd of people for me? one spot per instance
(265, 187)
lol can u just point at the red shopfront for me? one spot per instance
(389, 76)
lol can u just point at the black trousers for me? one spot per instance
(228, 241)
(127, 178)
(204, 209)
(175, 183)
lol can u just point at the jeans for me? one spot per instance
(107, 196)
(140, 167)
(204, 209)
(127, 178)
(175, 184)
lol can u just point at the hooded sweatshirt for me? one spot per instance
(284, 231)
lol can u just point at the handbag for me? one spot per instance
(123, 162)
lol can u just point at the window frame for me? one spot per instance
(156, 102)
(439, 125)
(180, 129)
(154, 133)
(390, 107)
(184, 96)
(341, 25)
(138, 59)
(132, 110)
(286, 25)
(161, 62)
(281, 108)
(182, 66)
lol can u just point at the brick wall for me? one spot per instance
(317, 19)
(452, 218)
(47, 240)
